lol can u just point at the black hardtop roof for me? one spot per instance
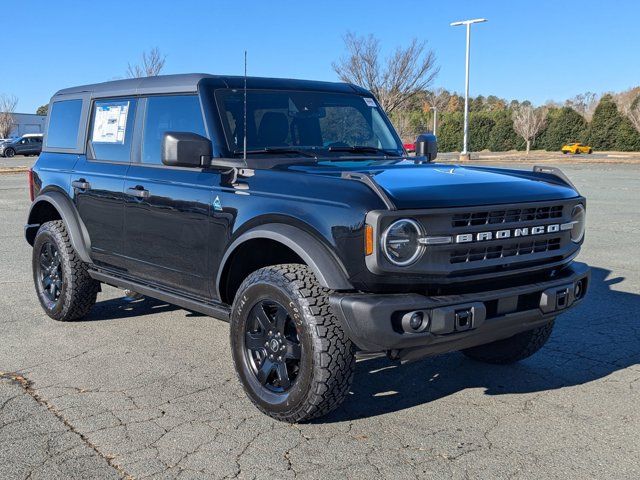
(189, 82)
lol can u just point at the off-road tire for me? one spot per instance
(327, 362)
(78, 291)
(513, 349)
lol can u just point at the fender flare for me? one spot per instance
(325, 265)
(78, 233)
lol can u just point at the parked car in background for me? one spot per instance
(29, 144)
(409, 147)
(576, 148)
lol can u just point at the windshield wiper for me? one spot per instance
(276, 150)
(364, 149)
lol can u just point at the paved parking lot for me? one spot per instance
(145, 389)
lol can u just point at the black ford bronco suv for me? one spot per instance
(290, 209)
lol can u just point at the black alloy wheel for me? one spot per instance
(293, 358)
(65, 289)
(9, 152)
(272, 346)
(49, 272)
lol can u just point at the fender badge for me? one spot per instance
(217, 204)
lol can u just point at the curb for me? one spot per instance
(8, 170)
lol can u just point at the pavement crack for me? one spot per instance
(27, 386)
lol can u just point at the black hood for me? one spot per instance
(440, 185)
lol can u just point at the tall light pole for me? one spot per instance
(435, 120)
(466, 79)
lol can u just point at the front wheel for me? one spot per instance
(9, 152)
(291, 354)
(513, 349)
(64, 287)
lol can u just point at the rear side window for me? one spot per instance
(179, 113)
(64, 121)
(112, 129)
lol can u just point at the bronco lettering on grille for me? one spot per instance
(502, 234)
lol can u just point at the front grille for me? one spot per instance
(514, 215)
(477, 254)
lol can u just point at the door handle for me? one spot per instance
(81, 184)
(138, 192)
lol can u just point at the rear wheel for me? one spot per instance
(513, 349)
(291, 354)
(64, 287)
(590, 151)
(564, 152)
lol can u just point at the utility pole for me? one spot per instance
(468, 23)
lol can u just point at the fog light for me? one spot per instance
(415, 322)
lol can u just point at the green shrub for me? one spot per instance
(564, 125)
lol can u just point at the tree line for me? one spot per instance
(609, 122)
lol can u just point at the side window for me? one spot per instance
(64, 121)
(112, 129)
(179, 113)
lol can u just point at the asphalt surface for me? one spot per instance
(145, 389)
(19, 161)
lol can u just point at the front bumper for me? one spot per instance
(455, 322)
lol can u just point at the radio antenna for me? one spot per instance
(244, 155)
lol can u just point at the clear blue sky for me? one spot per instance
(535, 49)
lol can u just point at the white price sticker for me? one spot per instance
(110, 123)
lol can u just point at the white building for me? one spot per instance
(27, 123)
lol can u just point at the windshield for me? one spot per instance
(306, 122)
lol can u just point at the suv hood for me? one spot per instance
(440, 185)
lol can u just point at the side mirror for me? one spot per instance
(185, 149)
(427, 146)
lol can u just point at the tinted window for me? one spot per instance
(307, 120)
(64, 121)
(169, 114)
(112, 129)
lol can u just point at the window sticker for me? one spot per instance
(110, 123)
(370, 102)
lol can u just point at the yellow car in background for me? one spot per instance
(576, 148)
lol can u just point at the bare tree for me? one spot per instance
(400, 120)
(8, 105)
(629, 103)
(151, 66)
(528, 122)
(393, 80)
(585, 104)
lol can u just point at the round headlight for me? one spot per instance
(578, 217)
(400, 242)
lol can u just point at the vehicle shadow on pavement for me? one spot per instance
(119, 308)
(594, 340)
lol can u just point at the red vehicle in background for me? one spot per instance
(409, 147)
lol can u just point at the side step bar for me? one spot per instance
(216, 310)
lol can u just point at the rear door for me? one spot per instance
(167, 209)
(98, 178)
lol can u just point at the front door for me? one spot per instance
(98, 179)
(168, 209)
(22, 146)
